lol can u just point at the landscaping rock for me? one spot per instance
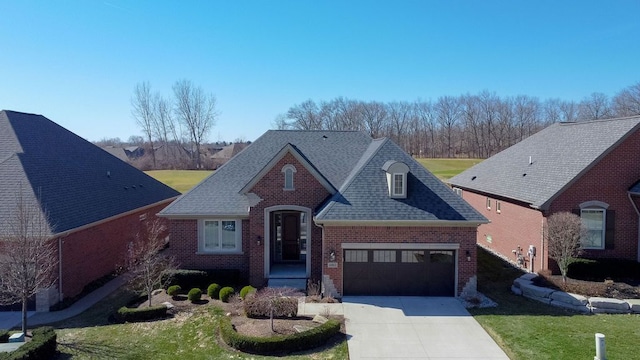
(578, 308)
(608, 311)
(157, 292)
(571, 299)
(519, 282)
(634, 305)
(544, 300)
(168, 305)
(301, 328)
(536, 291)
(528, 276)
(320, 319)
(606, 303)
(516, 289)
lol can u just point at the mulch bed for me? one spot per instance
(607, 288)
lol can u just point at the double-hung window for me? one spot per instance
(221, 236)
(594, 220)
(399, 188)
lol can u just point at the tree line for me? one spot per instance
(174, 127)
(476, 126)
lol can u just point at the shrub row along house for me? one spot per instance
(96, 204)
(359, 214)
(588, 168)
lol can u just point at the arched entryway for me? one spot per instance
(288, 242)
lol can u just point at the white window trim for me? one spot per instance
(488, 203)
(498, 207)
(458, 191)
(289, 169)
(604, 227)
(201, 233)
(404, 185)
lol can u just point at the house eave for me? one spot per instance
(422, 223)
(196, 216)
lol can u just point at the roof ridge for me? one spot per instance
(357, 169)
(591, 121)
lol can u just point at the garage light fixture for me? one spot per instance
(468, 255)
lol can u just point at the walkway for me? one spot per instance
(11, 319)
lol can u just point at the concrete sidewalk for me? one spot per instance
(12, 319)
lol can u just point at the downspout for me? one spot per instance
(541, 254)
(60, 269)
(633, 203)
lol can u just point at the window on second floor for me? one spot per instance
(288, 171)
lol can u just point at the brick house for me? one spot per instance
(587, 168)
(96, 203)
(359, 215)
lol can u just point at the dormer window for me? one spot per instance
(288, 171)
(396, 178)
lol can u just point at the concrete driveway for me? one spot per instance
(394, 327)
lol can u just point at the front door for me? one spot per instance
(290, 236)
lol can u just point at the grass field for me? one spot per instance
(181, 180)
(527, 329)
(447, 168)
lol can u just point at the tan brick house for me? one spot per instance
(358, 214)
(588, 168)
(96, 203)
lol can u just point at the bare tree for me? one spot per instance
(627, 101)
(28, 258)
(197, 112)
(146, 261)
(563, 234)
(143, 112)
(595, 106)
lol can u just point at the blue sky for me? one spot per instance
(77, 62)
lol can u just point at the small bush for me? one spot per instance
(260, 305)
(213, 290)
(187, 279)
(225, 293)
(126, 314)
(246, 290)
(173, 290)
(194, 295)
(41, 346)
(281, 343)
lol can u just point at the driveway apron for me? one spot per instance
(398, 327)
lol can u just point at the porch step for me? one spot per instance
(300, 284)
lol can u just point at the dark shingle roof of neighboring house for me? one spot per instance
(559, 155)
(76, 182)
(349, 161)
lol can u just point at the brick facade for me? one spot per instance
(334, 236)
(607, 181)
(94, 252)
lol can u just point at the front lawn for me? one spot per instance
(527, 329)
(188, 335)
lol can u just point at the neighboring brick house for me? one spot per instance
(359, 215)
(95, 202)
(588, 168)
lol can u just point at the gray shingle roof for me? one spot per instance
(350, 161)
(559, 154)
(364, 196)
(67, 175)
(333, 153)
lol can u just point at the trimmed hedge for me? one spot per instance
(601, 269)
(4, 336)
(194, 295)
(41, 346)
(246, 290)
(126, 314)
(173, 290)
(201, 278)
(282, 343)
(213, 290)
(225, 293)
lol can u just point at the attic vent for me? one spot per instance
(530, 160)
(141, 185)
(125, 188)
(473, 178)
(324, 137)
(525, 174)
(108, 174)
(133, 187)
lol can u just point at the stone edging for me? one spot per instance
(595, 305)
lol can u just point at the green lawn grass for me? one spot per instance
(447, 168)
(187, 336)
(181, 180)
(527, 329)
